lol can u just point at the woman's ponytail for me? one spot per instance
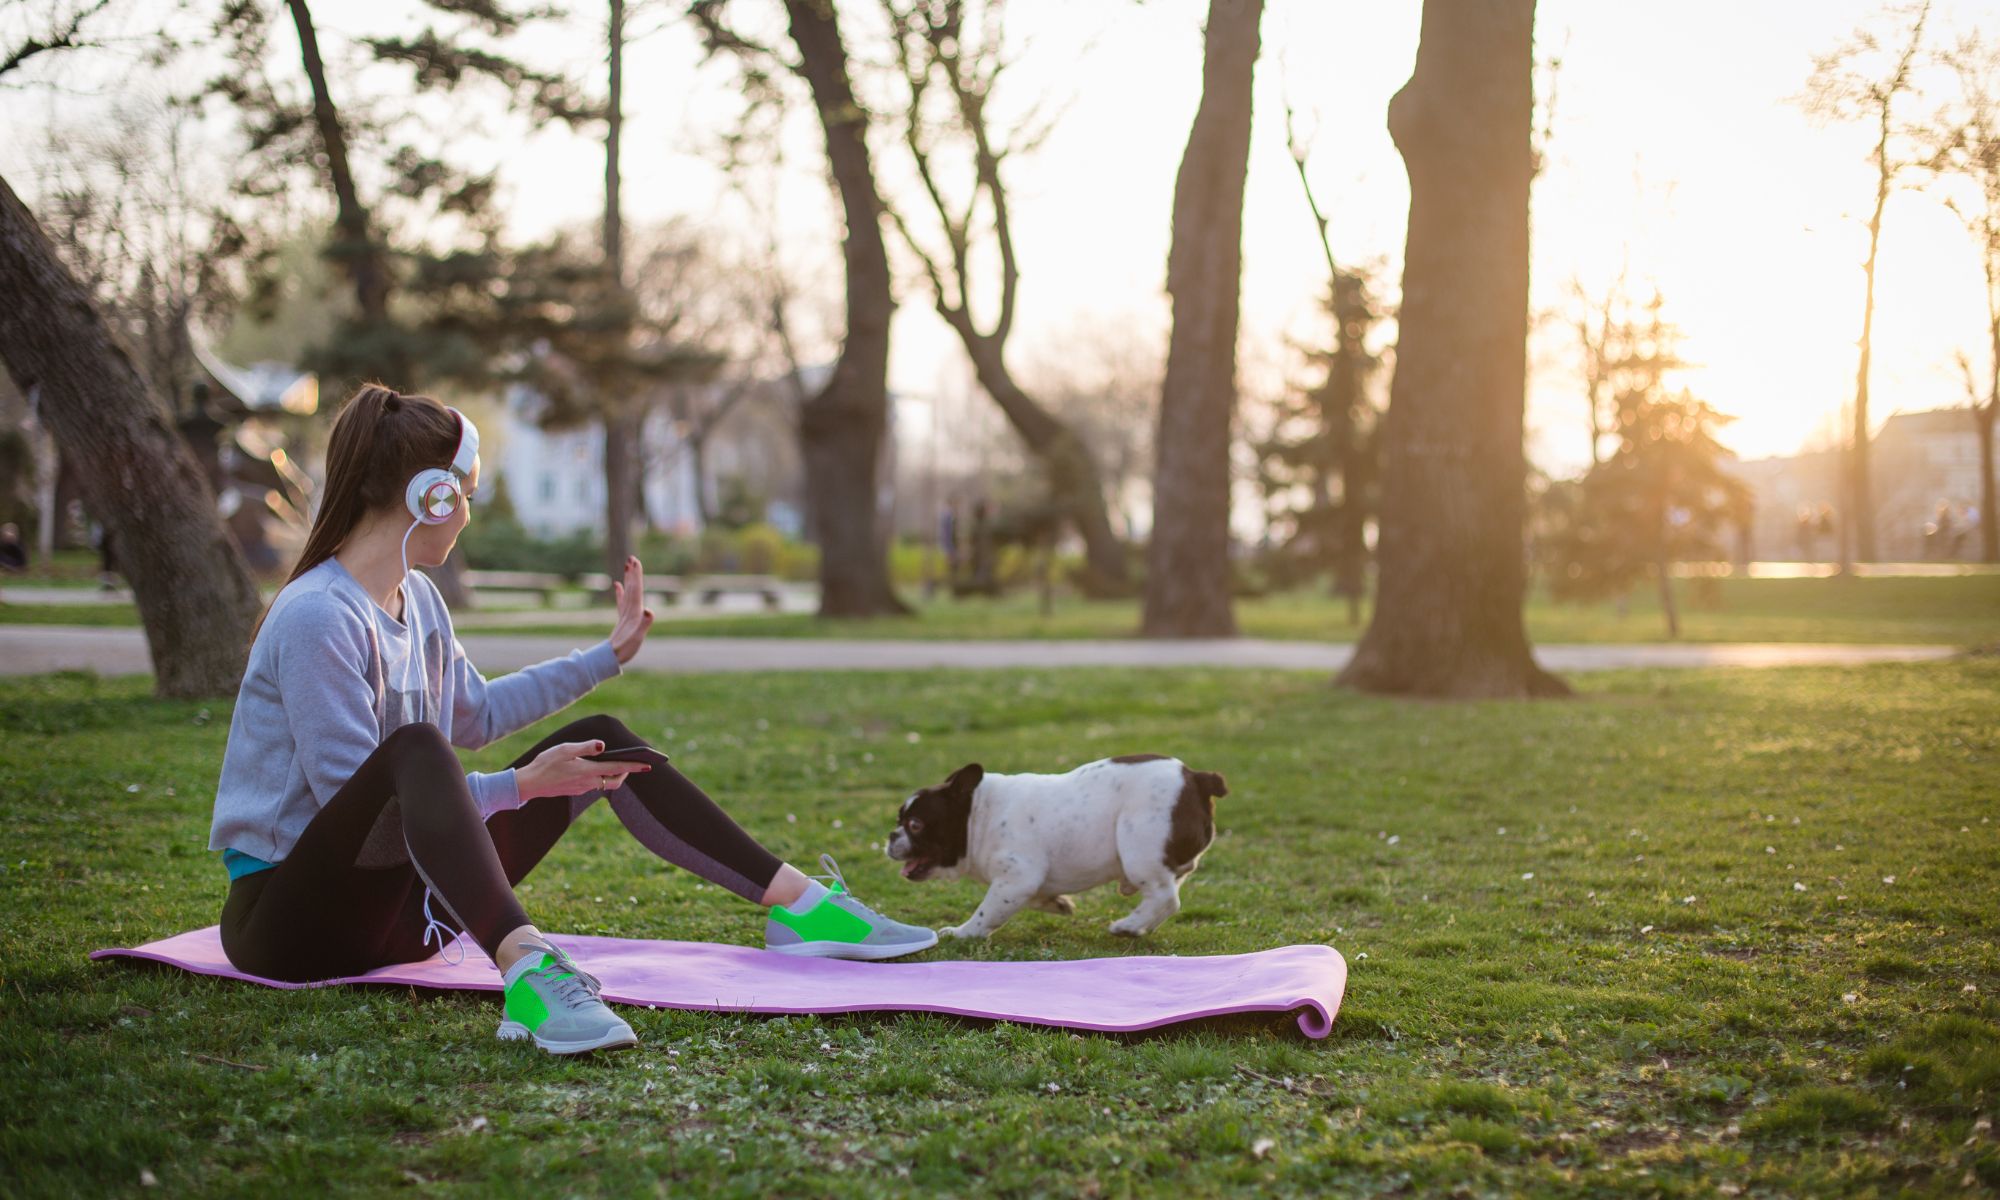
(380, 440)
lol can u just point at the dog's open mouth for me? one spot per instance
(916, 869)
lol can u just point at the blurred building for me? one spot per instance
(1924, 472)
(241, 423)
(250, 428)
(704, 448)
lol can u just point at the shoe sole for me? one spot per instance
(514, 1031)
(850, 950)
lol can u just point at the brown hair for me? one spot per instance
(380, 439)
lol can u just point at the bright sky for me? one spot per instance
(1675, 151)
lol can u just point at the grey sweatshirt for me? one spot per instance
(331, 675)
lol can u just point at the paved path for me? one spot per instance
(33, 649)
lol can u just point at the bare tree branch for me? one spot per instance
(718, 36)
(957, 46)
(1300, 152)
(69, 37)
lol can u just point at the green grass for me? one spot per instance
(1961, 611)
(105, 615)
(1581, 960)
(68, 568)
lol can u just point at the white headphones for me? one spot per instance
(435, 493)
(432, 496)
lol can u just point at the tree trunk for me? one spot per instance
(853, 573)
(47, 465)
(449, 577)
(1857, 538)
(841, 427)
(196, 599)
(1350, 564)
(698, 463)
(621, 487)
(1989, 516)
(614, 130)
(1668, 608)
(1075, 487)
(622, 430)
(1452, 575)
(1188, 569)
(360, 258)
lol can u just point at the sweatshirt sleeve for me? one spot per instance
(329, 702)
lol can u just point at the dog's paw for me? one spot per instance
(1127, 927)
(961, 931)
(1061, 906)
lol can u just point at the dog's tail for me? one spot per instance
(1209, 783)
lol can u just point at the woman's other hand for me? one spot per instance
(563, 770)
(635, 620)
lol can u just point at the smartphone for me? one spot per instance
(630, 754)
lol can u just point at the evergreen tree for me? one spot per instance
(1662, 496)
(413, 230)
(1317, 464)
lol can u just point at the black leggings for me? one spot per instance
(350, 895)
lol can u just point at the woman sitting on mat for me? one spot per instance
(342, 812)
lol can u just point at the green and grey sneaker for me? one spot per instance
(836, 925)
(555, 1002)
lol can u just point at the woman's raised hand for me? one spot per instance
(563, 770)
(634, 618)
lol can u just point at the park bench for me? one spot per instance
(667, 587)
(543, 583)
(713, 587)
(547, 584)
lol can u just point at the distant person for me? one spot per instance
(13, 555)
(345, 819)
(1941, 535)
(107, 559)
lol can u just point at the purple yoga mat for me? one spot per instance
(1106, 994)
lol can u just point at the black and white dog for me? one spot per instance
(1142, 820)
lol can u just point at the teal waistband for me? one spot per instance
(239, 864)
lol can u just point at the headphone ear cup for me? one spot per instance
(432, 496)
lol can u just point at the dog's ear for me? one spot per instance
(966, 778)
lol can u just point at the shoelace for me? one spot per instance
(579, 986)
(833, 872)
(839, 887)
